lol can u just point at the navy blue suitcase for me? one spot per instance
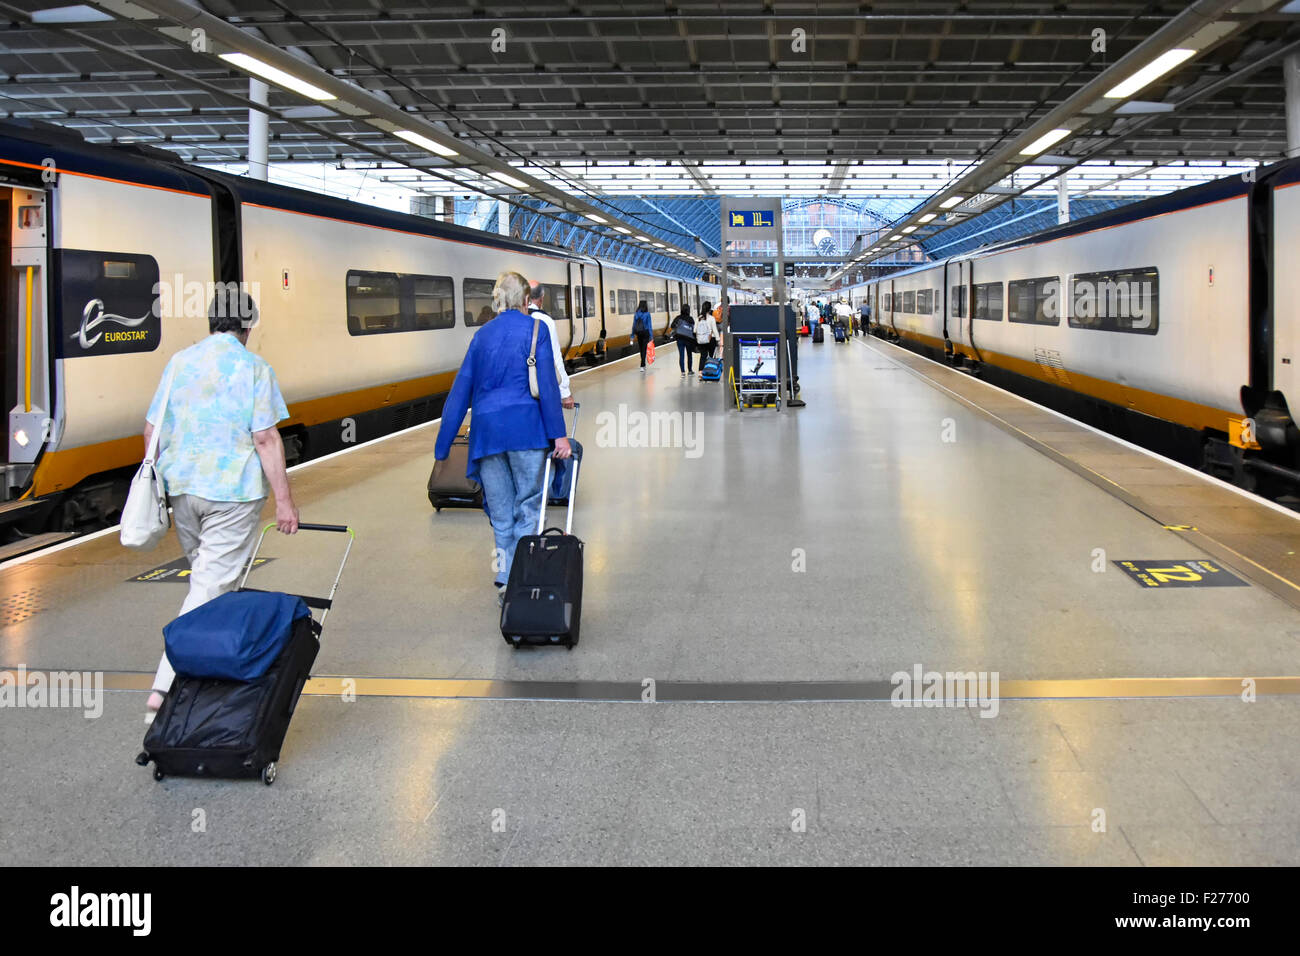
(542, 604)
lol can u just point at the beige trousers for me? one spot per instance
(218, 537)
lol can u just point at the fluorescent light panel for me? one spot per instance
(273, 75)
(1151, 72)
(1044, 141)
(424, 142)
(507, 179)
(951, 201)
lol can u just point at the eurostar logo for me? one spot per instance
(93, 316)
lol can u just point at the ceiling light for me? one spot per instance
(1151, 72)
(626, 232)
(909, 229)
(507, 179)
(644, 238)
(894, 238)
(1044, 141)
(594, 218)
(951, 201)
(926, 218)
(424, 142)
(280, 78)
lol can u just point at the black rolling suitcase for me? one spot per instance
(234, 729)
(562, 476)
(819, 332)
(543, 598)
(448, 486)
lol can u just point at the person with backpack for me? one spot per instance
(684, 333)
(642, 329)
(706, 335)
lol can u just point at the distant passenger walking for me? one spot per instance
(513, 431)
(535, 294)
(642, 329)
(706, 335)
(219, 448)
(684, 333)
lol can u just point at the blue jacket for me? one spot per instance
(493, 380)
(643, 322)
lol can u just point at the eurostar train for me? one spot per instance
(1172, 322)
(112, 255)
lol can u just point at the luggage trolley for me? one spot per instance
(757, 383)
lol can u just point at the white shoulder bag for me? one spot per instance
(144, 517)
(532, 362)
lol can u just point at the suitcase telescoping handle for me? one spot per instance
(321, 604)
(546, 494)
(577, 407)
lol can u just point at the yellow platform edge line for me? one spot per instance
(1008, 689)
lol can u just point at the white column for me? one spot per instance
(503, 217)
(1063, 198)
(1291, 78)
(258, 132)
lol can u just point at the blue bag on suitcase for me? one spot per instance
(562, 475)
(712, 370)
(235, 636)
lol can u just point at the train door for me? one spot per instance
(27, 387)
(576, 309)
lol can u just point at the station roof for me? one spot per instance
(650, 99)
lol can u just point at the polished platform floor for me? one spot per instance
(768, 580)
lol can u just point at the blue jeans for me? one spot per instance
(512, 497)
(685, 351)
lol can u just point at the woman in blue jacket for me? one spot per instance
(513, 432)
(643, 325)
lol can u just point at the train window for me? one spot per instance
(909, 302)
(958, 301)
(589, 301)
(477, 295)
(555, 300)
(119, 270)
(433, 302)
(374, 302)
(924, 301)
(1034, 301)
(886, 302)
(661, 301)
(988, 301)
(626, 301)
(1123, 301)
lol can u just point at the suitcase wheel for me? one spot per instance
(142, 758)
(438, 509)
(268, 773)
(157, 774)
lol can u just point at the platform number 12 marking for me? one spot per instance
(1179, 572)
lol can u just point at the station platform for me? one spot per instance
(764, 578)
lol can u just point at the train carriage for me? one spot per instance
(114, 255)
